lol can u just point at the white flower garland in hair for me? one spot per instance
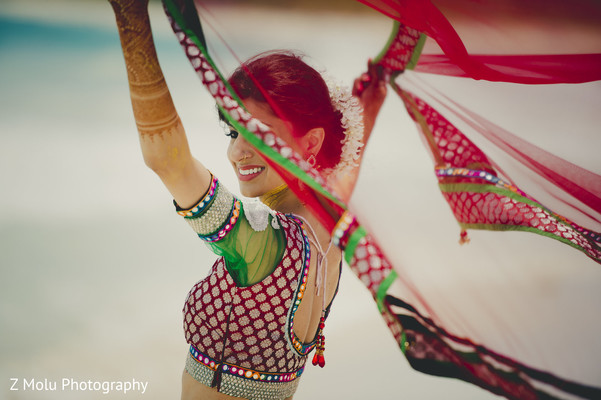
(352, 123)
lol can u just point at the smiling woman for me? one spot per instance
(309, 123)
(262, 308)
(255, 176)
(104, 222)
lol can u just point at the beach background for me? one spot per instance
(94, 263)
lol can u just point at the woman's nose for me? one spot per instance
(240, 149)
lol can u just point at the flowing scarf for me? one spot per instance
(438, 340)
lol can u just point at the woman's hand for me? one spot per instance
(370, 89)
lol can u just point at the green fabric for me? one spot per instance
(505, 227)
(353, 241)
(384, 288)
(403, 342)
(417, 51)
(485, 188)
(481, 188)
(250, 256)
(199, 42)
(249, 136)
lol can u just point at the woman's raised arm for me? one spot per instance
(162, 137)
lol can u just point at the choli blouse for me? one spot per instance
(239, 320)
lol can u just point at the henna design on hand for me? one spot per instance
(151, 101)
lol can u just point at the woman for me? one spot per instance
(253, 320)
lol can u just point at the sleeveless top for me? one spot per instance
(242, 339)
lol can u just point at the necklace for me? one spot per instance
(274, 196)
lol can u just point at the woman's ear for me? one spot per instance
(313, 140)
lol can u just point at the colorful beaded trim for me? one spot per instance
(231, 222)
(200, 207)
(301, 349)
(478, 174)
(487, 176)
(246, 373)
(215, 215)
(342, 229)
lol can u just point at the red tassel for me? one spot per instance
(463, 238)
(322, 361)
(318, 358)
(320, 346)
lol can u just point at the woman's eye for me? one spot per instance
(232, 133)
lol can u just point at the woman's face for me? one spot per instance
(254, 174)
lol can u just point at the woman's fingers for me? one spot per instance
(361, 84)
(374, 77)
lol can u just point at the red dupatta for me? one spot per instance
(428, 340)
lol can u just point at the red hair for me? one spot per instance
(297, 94)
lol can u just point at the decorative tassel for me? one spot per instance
(463, 238)
(320, 346)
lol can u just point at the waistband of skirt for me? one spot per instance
(241, 372)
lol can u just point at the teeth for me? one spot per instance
(251, 171)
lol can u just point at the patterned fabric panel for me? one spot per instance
(242, 382)
(249, 327)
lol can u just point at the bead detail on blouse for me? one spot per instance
(231, 221)
(199, 208)
(216, 214)
(296, 344)
(247, 373)
(246, 329)
(241, 382)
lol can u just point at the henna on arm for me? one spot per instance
(162, 136)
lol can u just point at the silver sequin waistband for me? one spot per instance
(242, 382)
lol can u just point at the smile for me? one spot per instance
(252, 171)
(249, 172)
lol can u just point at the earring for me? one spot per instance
(311, 160)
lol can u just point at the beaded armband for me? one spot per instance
(215, 214)
(202, 204)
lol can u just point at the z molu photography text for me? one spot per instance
(76, 385)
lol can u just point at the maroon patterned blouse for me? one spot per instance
(242, 339)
